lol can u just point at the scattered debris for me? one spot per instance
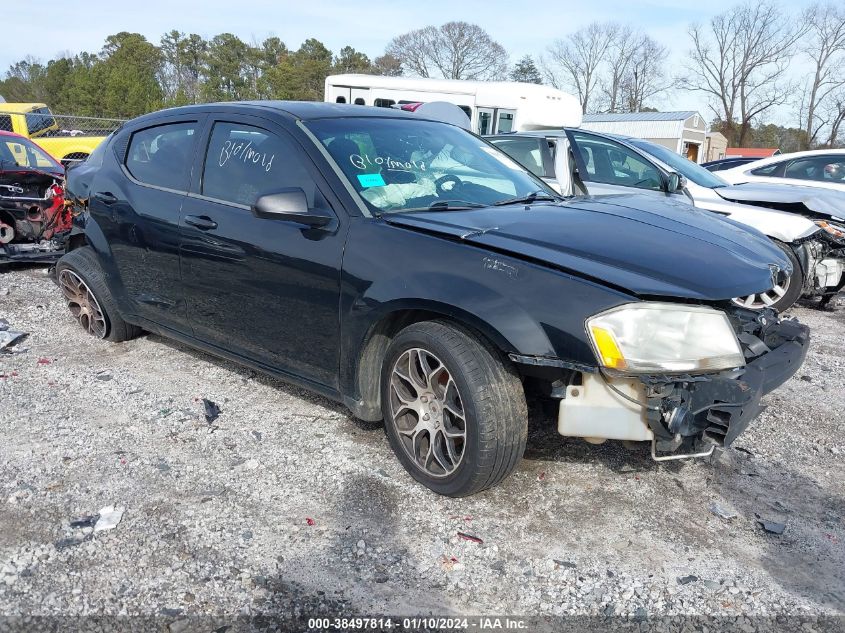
(541, 475)
(807, 378)
(566, 563)
(84, 522)
(9, 337)
(4, 292)
(470, 537)
(772, 527)
(212, 411)
(685, 580)
(70, 541)
(103, 374)
(743, 450)
(110, 516)
(721, 511)
(310, 521)
(44, 361)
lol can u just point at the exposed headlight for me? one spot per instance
(836, 231)
(664, 338)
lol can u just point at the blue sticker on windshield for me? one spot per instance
(371, 180)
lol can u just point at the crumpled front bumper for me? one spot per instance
(689, 412)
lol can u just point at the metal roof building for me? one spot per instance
(683, 132)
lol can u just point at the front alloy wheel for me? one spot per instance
(454, 408)
(427, 412)
(786, 290)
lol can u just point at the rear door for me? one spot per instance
(267, 289)
(136, 202)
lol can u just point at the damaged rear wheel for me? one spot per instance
(81, 281)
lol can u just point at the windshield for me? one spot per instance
(688, 169)
(22, 152)
(398, 165)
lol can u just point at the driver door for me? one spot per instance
(608, 167)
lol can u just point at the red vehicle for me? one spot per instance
(33, 217)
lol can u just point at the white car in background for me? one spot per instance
(823, 168)
(807, 224)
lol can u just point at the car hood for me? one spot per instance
(818, 203)
(645, 245)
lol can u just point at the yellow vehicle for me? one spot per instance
(66, 138)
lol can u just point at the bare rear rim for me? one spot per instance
(82, 303)
(427, 411)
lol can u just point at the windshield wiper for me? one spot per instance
(454, 205)
(531, 197)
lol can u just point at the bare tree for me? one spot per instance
(740, 59)
(836, 119)
(387, 65)
(824, 44)
(575, 62)
(455, 50)
(623, 45)
(646, 76)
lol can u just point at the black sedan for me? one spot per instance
(415, 273)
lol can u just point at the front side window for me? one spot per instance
(608, 162)
(162, 155)
(820, 168)
(244, 162)
(400, 165)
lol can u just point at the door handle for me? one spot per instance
(106, 197)
(202, 222)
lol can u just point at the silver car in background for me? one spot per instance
(807, 224)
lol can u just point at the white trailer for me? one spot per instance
(492, 106)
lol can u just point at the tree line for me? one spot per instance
(744, 61)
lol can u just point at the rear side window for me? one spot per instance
(244, 162)
(769, 170)
(526, 151)
(39, 119)
(6, 122)
(161, 155)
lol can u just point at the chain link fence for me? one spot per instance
(42, 123)
(56, 131)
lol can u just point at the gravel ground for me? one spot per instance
(285, 504)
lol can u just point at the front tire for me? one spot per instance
(82, 282)
(454, 409)
(785, 293)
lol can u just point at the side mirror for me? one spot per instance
(675, 182)
(291, 205)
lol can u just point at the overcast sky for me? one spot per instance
(523, 27)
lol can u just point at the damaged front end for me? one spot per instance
(687, 415)
(692, 414)
(34, 220)
(822, 256)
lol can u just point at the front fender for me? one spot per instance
(521, 307)
(508, 325)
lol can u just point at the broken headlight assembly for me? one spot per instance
(834, 230)
(664, 338)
